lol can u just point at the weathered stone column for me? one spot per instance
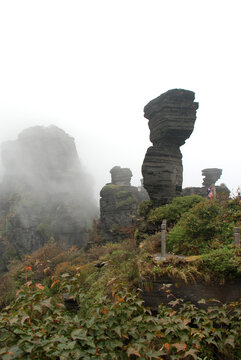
(118, 205)
(171, 121)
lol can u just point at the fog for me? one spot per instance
(43, 168)
(91, 67)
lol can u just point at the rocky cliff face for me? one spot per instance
(44, 193)
(171, 121)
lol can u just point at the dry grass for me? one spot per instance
(152, 244)
(98, 252)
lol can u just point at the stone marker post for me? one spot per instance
(163, 238)
(236, 231)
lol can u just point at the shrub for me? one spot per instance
(144, 208)
(221, 264)
(173, 212)
(197, 228)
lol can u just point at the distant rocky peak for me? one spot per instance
(44, 159)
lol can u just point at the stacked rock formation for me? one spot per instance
(121, 176)
(44, 193)
(118, 204)
(211, 176)
(171, 121)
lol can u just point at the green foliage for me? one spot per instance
(211, 333)
(206, 226)
(126, 202)
(172, 212)
(222, 264)
(112, 322)
(152, 218)
(144, 208)
(37, 326)
(114, 326)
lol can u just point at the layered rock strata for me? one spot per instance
(211, 176)
(118, 205)
(171, 121)
(121, 176)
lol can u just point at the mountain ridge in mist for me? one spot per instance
(44, 192)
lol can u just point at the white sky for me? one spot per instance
(90, 67)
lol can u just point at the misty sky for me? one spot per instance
(90, 67)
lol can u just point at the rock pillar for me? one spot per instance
(118, 205)
(171, 121)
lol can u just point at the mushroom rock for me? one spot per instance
(171, 121)
(211, 176)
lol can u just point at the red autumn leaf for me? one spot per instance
(54, 283)
(120, 299)
(186, 321)
(39, 286)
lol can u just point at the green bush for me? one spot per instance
(144, 208)
(173, 212)
(221, 264)
(205, 226)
